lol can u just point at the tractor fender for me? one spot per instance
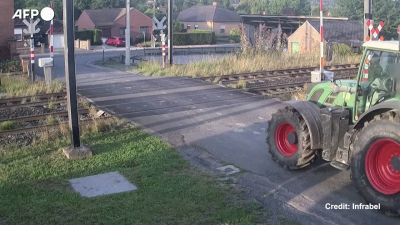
(310, 112)
(378, 109)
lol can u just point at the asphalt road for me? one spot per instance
(230, 125)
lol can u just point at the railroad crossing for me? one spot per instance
(206, 121)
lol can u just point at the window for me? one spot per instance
(18, 34)
(188, 27)
(122, 31)
(379, 79)
(144, 29)
(196, 27)
(222, 30)
(295, 47)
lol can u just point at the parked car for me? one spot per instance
(116, 41)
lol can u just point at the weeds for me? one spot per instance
(241, 63)
(51, 120)
(7, 125)
(20, 86)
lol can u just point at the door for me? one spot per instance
(295, 47)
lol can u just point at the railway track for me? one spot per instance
(32, 99)
(44, 127)
(287, 87)
(22, 114)
(278, 82)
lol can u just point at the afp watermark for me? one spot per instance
(47, 14)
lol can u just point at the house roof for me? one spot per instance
(104, 17)
(207, 13)
(340, 30)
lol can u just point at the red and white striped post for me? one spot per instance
(51, 47)
(163, 48)
(32, 58)
(321, 21)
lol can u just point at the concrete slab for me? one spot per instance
(102, 184)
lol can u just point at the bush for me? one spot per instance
(97, 34)
(234, 38)
(235, 35)
(93, 35)
(342, 50)
(10, 66)
(194, 38)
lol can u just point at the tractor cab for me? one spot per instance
(379, 76)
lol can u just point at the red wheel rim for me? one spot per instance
(381, 166)
(283, 145)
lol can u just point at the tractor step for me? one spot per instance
(339, 165)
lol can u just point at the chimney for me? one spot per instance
(215, 4)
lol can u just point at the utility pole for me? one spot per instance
(170, 32)
(128, 33)
(367, 16)
(69, 60)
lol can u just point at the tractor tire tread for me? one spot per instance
(361, 183)
(308, 155)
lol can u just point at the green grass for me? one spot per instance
(14, 86)
(7, 125)
(240, 63)
(34, 186)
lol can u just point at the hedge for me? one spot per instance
(93, 35)
(195, 38)
(10, 66)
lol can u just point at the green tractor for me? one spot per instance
(353, 124)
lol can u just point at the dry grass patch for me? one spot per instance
(15, 86)
(241, 63)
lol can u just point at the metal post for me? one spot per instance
(69, 59)
(367, 16)
(322, 60)
(170, 31)
(128, 33)
(153, 38)
(32, 58)
(52, 33)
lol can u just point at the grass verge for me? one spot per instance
(241, 63)
(14, 86)
(34, 186)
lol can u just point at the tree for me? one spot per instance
(388, 11)
(274, 7)
(353, 9)
(385, 10)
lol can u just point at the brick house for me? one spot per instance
(112, 22)
(6, 28)
(307, 37)
(211, 18)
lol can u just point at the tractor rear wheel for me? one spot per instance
(376, 162)
(288, 139)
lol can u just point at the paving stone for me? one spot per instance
(102, 184)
